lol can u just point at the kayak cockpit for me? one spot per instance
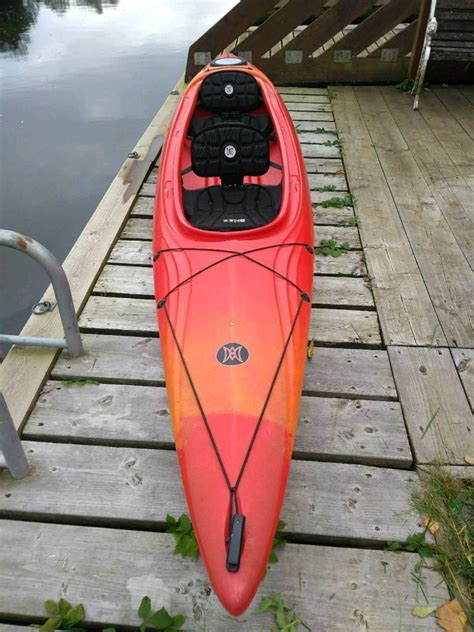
(231, 163)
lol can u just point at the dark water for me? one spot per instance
(79, 82)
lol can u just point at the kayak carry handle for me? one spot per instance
(234, 551)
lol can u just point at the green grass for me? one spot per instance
(336, 202)
(354, 221)
(448, 502)
(324, 188)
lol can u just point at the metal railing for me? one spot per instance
(48, 261)
(12, 455)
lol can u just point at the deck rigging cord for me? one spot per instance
(236, 519)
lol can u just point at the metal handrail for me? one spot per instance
(48, 261)
(12, 455)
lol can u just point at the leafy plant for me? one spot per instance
(415, 543)
(286, 618)
(79, 382)
(183, 532)
(159, 619)
(405, 86)
(354, 221)
(321, 130)
(325, 187)
(278, 542)
(330, 248)
(332, 143)
(336, 202)
(64, 616)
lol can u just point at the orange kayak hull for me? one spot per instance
(233, 340)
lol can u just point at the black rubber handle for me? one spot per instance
(235, 543)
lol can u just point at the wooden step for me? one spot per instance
(335, 501)
(327, 290)
(352, 373)
(133, 252)
(360, 587)
(347, 430)
(138, 316)
(141, 228)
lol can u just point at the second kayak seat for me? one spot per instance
(230, 96)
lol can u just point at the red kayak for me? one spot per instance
(233, 269)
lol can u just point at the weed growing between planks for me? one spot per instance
(186, 544)
(286, 618)
(330, 248)
(324, 188)
(336, 202)
(354, 221)
(64, 616)
(447, 503)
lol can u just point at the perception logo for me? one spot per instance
(232, 354)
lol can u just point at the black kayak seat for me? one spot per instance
(236, 208)
(231, 94)
(230, 152)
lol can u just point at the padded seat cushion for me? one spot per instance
(230, 91)
(260, 122)
(232, 208)
(230, 150)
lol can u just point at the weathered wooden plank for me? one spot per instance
(449, 132)
(329, 291)
(352, 373)
(312, 116)
(340, 234)
(349, 430)
(435, 406)
(458, 106)
(278, 25)
(324, 180)
(291, 99)
(301, 106)
(23, 372)
(406, 313)
(464, 361)
(312, 126)
(446, 273)
(332, 216)
(451, 191)
(379, 587)
(320, 151)
(318, 138)
(138, 316)
(376, 25)
(132, 252)
(143, 207)
(145, 485)
(301, 90)
(225, 30)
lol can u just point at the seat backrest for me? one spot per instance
(230, 151)
(230, 91)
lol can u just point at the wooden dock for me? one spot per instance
(392, 321)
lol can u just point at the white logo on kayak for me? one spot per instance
(232, 353)
(229, 89)
(230, 151)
